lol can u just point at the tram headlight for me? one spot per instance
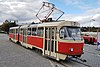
(83, 49)
(71, 49)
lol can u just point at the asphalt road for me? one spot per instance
(13, 55)
(92, 55)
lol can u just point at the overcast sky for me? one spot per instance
(82, 11)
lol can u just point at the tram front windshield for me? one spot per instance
(70, 33)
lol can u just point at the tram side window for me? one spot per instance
(63, 33)
(25, 31)
(40, 31)
(21, 31)
(53, 33)
(29, 31)
(10, 30)
(34, 32)
(16, 31)
(54, 30)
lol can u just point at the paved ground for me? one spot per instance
(92, 55)
(13, 55)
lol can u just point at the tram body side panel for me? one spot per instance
(90, 40)
(95, 40)
(35, 41)
(20, 37)
(86, 38)
(65, 48)
(17, 37)
(11, 35)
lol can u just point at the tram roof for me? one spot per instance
(14, 27)
(29, 25)
(58, 23)
(24, 26)
(47, 24)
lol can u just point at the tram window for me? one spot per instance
(16, 31)
(29, 31)
(47, 33)
(34, 31)
(24, 31)
(62, 33)
(46, 29)
(53, 33)
(52, 46)
(10, 30)
(55, 46)
(13, 30)
(70, 33)
(21, 31)
(40, 31)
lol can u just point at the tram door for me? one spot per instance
(15, 34)
(24, 35)
(50, 41)
(14, 30)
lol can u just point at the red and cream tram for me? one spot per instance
(14, 34)
(58, 39)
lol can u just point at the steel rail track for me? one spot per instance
(81, 63)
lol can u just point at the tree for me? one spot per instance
(7, 24)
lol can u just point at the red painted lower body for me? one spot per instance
(87, 38)
(35, 41)
(20, 37)
(65, 48)
(11, 35)
(17, 37)
(90, 40)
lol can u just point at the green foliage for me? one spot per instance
(7, 24)
(90, 29)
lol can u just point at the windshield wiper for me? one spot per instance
(73, 38)
(70, 35)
